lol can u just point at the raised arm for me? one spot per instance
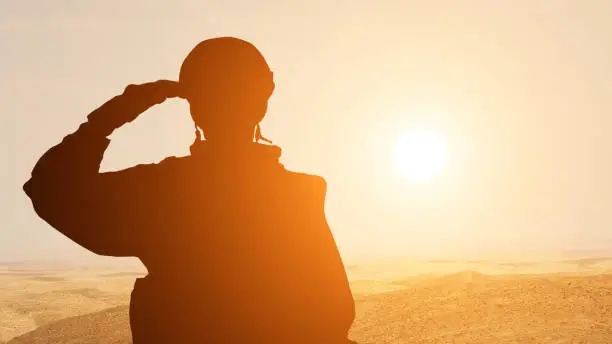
(102, 212)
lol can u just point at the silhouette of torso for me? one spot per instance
(241, 243)
(237, 247)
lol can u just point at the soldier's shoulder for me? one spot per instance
(309, 181)
(174, 162)
(167, 165)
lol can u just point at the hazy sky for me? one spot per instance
(520, 90)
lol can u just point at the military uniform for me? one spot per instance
(237, 248)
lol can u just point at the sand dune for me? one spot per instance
(461, 307)
(110, 326)
(34, 297)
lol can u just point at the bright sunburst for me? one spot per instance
(420, 154)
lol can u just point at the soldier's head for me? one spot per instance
(227, 83)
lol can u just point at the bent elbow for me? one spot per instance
(44, 188)
(28, 188)
(35, 191)
(44, 197)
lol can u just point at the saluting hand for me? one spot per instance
(159, 90)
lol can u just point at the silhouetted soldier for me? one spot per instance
(237, 248)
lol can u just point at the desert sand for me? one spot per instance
(444, 301)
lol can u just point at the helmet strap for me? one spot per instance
(259, 136)
(198, 138)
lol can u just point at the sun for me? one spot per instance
(420, 154)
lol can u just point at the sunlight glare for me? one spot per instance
(420, 154)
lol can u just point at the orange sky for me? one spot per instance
(519, 89)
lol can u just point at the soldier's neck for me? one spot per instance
(229, 145)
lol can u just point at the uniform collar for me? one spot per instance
(253, 152)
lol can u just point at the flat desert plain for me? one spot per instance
(442, 301)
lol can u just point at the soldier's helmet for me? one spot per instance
(226, 71)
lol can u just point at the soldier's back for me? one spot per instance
(244, 252)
